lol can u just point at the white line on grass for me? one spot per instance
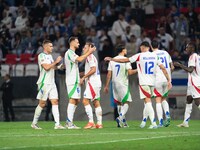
(84, 134)
(98, 142)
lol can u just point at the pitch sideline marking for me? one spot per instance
(98, 142)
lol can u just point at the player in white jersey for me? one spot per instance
(193, 89)
(46, 85)
(119, 73)
(146, 68)
(73, 79)
(161, 89)
(92, 89)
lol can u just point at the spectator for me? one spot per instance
(180, 30)
(141, 39)
(119, 27)
(89, 18)
(59, 43)
(7, 20)
(57, 8)
(7, 98)
(21, 22)
(29, 43)
(48, 17)
(197, 27)
(147, 5)
(163, 23)
(138, 14)
(51, 30)
(102, 20)
(191, 16)
(165, 39)
(40, 9)
(131, 46)
(16, 44)
(127, 35)
(135, 28)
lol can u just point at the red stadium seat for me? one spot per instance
(11, 59)
(25, 58)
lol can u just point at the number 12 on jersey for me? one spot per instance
(148, 67)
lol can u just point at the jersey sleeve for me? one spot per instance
(134, 58)
(42, 59)
(91, 61)
(128, 66)
(72, 56)
(192, 60)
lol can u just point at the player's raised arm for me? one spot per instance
(188, 69)
(124, 60)
(91, 49)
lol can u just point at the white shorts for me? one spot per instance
(91, 92)
(121, 92)
(193, 91)
(146, 91)
(74, 91)
(161, 89)
(47, 91)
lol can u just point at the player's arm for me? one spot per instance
(189, 69)
(132, 71)
(124, 60)
(108, 78)
(84, 56)
(172, 67)
(166, 75)
(47, 67)
(91, 72)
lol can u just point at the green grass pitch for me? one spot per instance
(19, 135)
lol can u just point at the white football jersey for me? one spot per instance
(146, 66)
(194, 77)
(95, 79)
(46, 77)
(71, 65)
(165, 58)
(119, 70)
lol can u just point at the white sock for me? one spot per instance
(159, 112)
(98, 112)
(88, 110)
(124, 110)
(188, 111)
(119, 109)
(199, 107)
(70, 112)
(165, 106)
(145, 114)
(37, 114)
(56, 114)
(151, 113)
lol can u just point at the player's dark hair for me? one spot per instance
(119, 48)
(90, 43)
(46, 42)
(145, 43)
(154, 44)
(72, 39)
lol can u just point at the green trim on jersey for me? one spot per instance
(74, 88)
(42, 84)
(126, 96)
(98, 99)
(166, 94)
(71, 63)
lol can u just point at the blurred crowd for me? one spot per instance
(25, 24)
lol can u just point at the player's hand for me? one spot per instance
(58, 59)
(61, 66)
(177, 64)
(106, 89)
(82, 81)
(107, 59)
(169, 85)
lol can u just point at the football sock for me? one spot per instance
(151, 113)
(98, 112)
(165, 106)
(37, 114)
(70, 112)
(145, 114)
(124, 110)
(159, 112)
(88, 110)
(188, 111)
(56, 114)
